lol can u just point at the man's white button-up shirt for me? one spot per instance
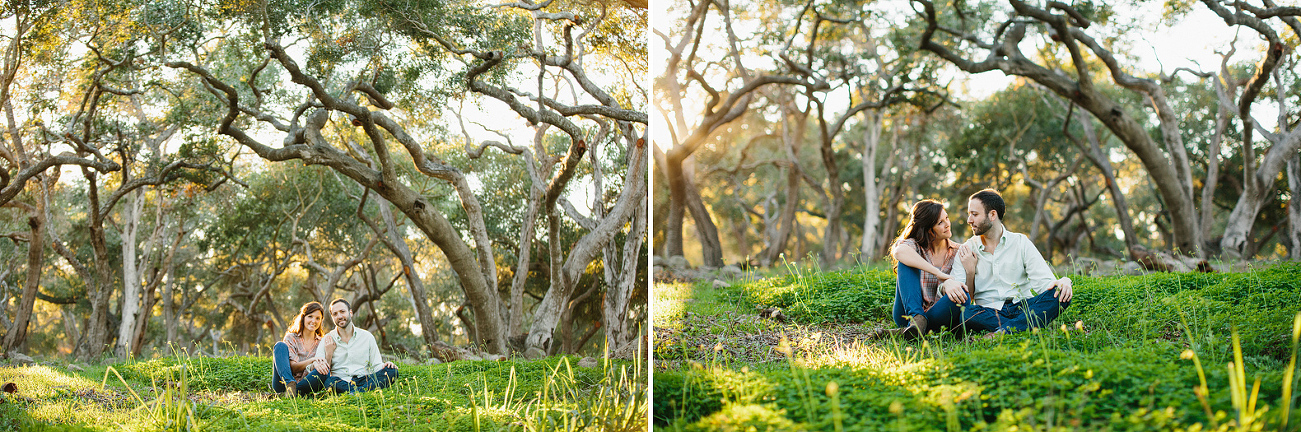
(1015, 271)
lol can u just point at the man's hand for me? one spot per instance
(1064, 292)
(956, 291)
(967, 257)
(321, 365)
(389, 365)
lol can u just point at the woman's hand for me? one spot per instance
(968, 258)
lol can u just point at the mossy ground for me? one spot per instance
(1120, 358)
(231, 394)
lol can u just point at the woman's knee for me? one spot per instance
(907, 273)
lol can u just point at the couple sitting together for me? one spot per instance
(346, 359)
(997, 281)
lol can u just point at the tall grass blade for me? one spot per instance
(1286, 401)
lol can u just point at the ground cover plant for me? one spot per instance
(1161, 351)
(199, 393)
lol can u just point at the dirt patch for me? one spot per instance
(731, 337)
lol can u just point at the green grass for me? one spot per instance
(1141, 349)
(197, 393)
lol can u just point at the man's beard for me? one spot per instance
(981, 229)
(342, 323)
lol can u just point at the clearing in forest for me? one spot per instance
(1204, 351)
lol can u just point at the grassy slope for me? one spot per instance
(1122, 371)
(230, 394)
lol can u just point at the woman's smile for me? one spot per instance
(312, 321)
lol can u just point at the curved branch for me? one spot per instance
(19, 181)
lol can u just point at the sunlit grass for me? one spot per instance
(670, 304)
(1112, 361)
(481, 395)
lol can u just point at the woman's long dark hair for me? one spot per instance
(297, 326)
(924, 216)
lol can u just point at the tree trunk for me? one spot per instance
(490, 327)
(786, 221)
(158, 273)
(100, 289)
(1098, 157)
(565, 277)
(1258, 182)
(130, 273)
(683, 197)
(1294, 206)
(169, 312)
(711, 249)
(677, 208)
(70, 332)
(884, 242)
(872, 183)
(616, 299)
(16, 337)
(1187, 235)
(835, 230)
(138, 335)
(778, 244)
(1222, 116)
(524, 259)
(415, 286)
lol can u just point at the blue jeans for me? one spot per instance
(317, 381)
(1030, 313)
(908, 302)
(281, 374)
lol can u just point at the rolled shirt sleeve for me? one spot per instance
(294, 345)
(958, 272)
(376, 361)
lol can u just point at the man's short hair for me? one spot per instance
(992, 201)
(340, 300)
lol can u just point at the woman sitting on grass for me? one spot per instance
(925, 256)
(292, 357)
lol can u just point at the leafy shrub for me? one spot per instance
(746, 418)
(204, 373)
(846, 296)
(693, 395)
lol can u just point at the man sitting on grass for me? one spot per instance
(347, 359)
(1014, 287)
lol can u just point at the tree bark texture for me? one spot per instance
(1259, 181)
(16, 337)
(1294, 206)
(548, 312)
(415, 285)
(130, 309)
(873, 183)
